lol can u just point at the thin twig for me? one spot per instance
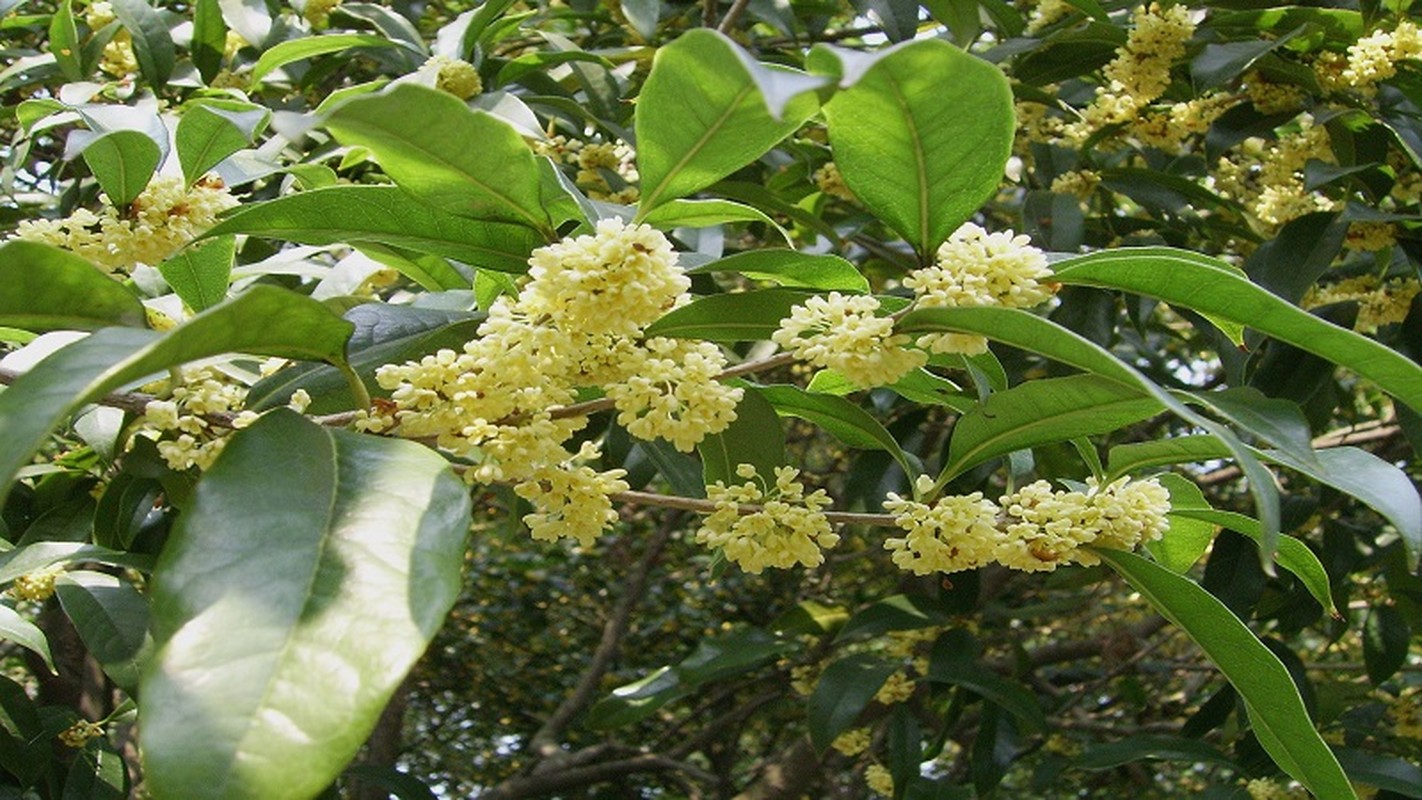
(708, 506)
(733, 15)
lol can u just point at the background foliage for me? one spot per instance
(254, 205)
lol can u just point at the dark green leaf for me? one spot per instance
(732, 653)
(152, 44)
(97, 772)
(38, 555)
(48, 289)
(1147, 747)
(636, 701)
(1278, 422)
(843, 692)
(1220, 63)
(64, 42)
(954, 660)
(263, 321)
(1291, 262)
(421, 138)
(1385, 772)
(840, 418)
(1386, 636)
(945, 115)
(792, 268)
(1042, 411)
(704, 112)
(209, 38)
(287, 612)
(737, 317)
(1275, 707)
(895, 613)
(199, 274)
(123, 162)
(111, 618)
(385, 215)
(755, 437)
(1293, 555)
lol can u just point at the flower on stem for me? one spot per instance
(789, 528)
(842, 332)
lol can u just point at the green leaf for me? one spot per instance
(64, 42)
(421, 137)
(1042, 411)
(947, 119)
(844, 690)
(123, 162)
(643, 16)
(704, 112)
(386, 215)
(792, 268)
(287, 612)
(1293, 555)
(1386, 637)
(209, 38)
(894, 613)
(152, 44)
(755, 437)
(209, 133)
(1275, 707)
(1218, 64)
(1279, 422)
(48, 289)
(400, 785)
(1185, 539)
(734, 317)
(1212, 287)
(1385, 772)
(294, 50)
(954, 660)
(732, 653)
(1026, 331)
(636, 701)
(39, 555)
(1126, 458)
(265, 320)
(17, 629)
(840, 418)
(97, 772)
(199, 274)
(1147, 747)
(384, 334)
(112, 620)
(708, 213)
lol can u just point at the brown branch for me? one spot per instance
(544, 743)
(733, 15)
(708, 506)
(583, 777)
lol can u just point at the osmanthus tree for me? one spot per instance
(913, 304)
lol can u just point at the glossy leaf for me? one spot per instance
(636, 701)
(1212, 287)
(840, 418)
(1393, 774)
(287, 612)
(152, 44)
(17, 629)
(703, 113)
(64, 42)
(209, 133)
(1144, 747)
(39, 555)
(1190, 449)
(123, 162)
(48, 289)
(1043, 411)
(736, 317)
(955, 660)
(421, 138)
(894, 613)
(755, 437)
(792, 268)
(708, 213)
(1278, 422)
(1042, 336)
(111, 618)
(945, 115)
(385, 215)
(1185, 539)
(199, 274)
(1293, 555)
(1276, 709)
(844, 690)
(294, 50)
(263, 321)
(209, 38)
(1386, 638)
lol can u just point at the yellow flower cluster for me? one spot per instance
(1269, 789)
(831, 182)
(1374, 57)
(1370, 237)
(1141, 68)
(853, 741)
(37, 586)
(977, 268)
(1034, 529)
(595, 163)
(843, 333)
(80, 733)
(1406, 714)
(318, 12)
(166, 216)
(1268, 178)
(453, 75)
(786, 529)
(879, 780)
(1272, 98)
(577, 322)
(1079, 183)
(1379, 303)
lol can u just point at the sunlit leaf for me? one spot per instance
(49, 289)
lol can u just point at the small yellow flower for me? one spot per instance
(80, 733)
(37, 586)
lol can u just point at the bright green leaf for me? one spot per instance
(1293, 555)
(64, 42)
(17, 629)
(1276, 709)
(48, 289)
(755, 437)
(385, 215)
(921, 136)
(703, 114)
(209, 38)
(840, 418)
(123, 162)
(289, 52)
(736, 317)
(708, 213)
(286, 612)
(792, 268)
(209, 133)
(199, 274)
